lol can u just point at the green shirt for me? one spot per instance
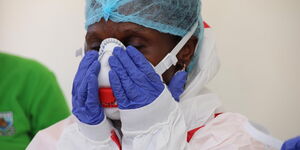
(30, 100)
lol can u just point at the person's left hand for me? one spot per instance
(133, 80)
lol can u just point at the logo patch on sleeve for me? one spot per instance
(6, 124)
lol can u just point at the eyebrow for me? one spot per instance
(139, 30)
(134, 30)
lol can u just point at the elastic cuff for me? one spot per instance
(145, 117)
(99, 132)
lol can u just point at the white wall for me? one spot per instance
(47, 30)
(259, 46)
(258, 41)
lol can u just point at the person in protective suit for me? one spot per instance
(163, 57)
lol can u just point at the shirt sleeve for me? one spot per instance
(45, 104)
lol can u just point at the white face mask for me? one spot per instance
(106, 49)
(107, 98)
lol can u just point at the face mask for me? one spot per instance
(106, 96)
(107, 46)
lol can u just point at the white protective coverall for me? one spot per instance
(195, 123)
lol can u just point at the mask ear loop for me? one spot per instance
(171, 59)
(80, 51)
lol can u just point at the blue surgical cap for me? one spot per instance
(174, 17)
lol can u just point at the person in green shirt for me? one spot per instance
(30, 100)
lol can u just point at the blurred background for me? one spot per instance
(258, 43)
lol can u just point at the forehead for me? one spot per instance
(105, 29)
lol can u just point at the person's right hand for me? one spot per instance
(291, 144)
(176, 85)
(85, 98)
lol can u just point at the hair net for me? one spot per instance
(175, 17)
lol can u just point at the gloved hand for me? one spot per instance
(176, 85)
(133, 79)
(291, 144)
(85, 98)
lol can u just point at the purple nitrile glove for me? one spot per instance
(85, 98)
(176, 85)
(133, 80)
(291, 144)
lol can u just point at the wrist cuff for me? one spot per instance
(99, 132)
(143, 118)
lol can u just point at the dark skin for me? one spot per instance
(153, 44)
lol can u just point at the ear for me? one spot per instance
(187, 52)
